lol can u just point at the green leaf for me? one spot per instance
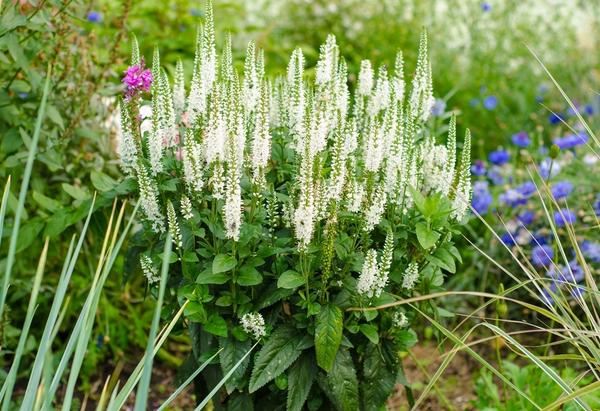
(300, 379)
(77, 193)
(443, 259)
(249, 276)
(46, 202)
(370, 331)
(278, 353)
(101, 181)
(28, 233)
(223, 263)
(427, 237)
(233, 351)
(208, 277)
(378, 379)
(290, 279)
(195, 312)
(419, 200)
(340, 384)
(55, 116)
(216, 325)
(328, 335)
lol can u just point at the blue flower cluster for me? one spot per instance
(504, 185)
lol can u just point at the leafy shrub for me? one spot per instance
(293, 211)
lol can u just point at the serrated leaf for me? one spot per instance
(378, 380)
(278, 353)
(340, 384)
(290, 280)
(223, 263)
(426, 236)
(248, 276)
(233, 351)
(328, 335)
(300, 379)
(370, 331)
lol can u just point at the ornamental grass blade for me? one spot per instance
(142, 391)
(118, 398)
(14, 236)
(47, 335)
(223, 380)
(9, 382)
(188, 381)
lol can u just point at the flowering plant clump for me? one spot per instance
(294, 205)
(545, 200)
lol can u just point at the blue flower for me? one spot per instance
(438, 108)
(521, 139)
(507, 239)
(571, 140)
(478, 168)
(596, 206)
(23, 95)
(548, 168)
(542, 255)
(573, 273)
(94, 17)
(482, 198)
(554, 118)
(564, 217)
(512, 198)
(485, 6)
(527, 189)
(495, 175)
(589, 109)
(539, 239)
(562, 189)
(539, 99)
(591, 251)
(490, 102)
(499, 157)
(474, 102)
(526, 217)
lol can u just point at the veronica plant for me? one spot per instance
(289, 201)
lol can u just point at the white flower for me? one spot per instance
(174, 225)
(148, 269)
(149, 198)
(127, 148)
(376, 208)
(253, 324)
(399, 319)
(371, 282)
(462, 193)
(365, 78)
(411, 276)
(327, 61)
(186, 208)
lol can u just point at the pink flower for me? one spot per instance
(136, 79)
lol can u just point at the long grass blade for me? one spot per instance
(188, 381)
(14, 237)
(46, 340)
(224, 380)
(9, 382)
(142, 391)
